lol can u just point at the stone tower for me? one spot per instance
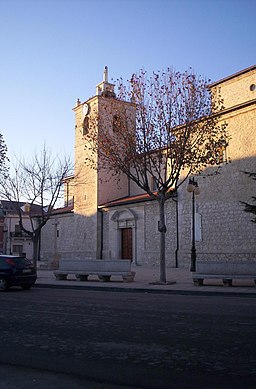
(91, 186)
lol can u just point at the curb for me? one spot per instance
(146, 290)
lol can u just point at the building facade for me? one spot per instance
(13, 240)
(103, 219)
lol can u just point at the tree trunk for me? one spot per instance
(162, 230)
(36, 239)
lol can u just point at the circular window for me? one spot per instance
(252, 87)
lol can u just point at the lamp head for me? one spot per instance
(191, 185)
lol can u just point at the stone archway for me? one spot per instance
(126, 243)
(126, 235)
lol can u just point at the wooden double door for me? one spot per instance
(126, 243)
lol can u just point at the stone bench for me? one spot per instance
(225, 270)
(104, 269)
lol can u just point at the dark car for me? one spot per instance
(15, 270)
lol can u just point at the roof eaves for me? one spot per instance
(249, 69)
(127, 200)
(59, 211)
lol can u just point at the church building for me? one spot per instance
(108, 220)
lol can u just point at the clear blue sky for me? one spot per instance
(54, 51)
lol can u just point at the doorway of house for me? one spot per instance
(126, 243)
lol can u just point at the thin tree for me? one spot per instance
(174, 132)
(38, 183)
(3, 157)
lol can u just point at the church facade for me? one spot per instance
(103, 219)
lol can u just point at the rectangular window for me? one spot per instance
(17, 248)
(69, 202)
(198, 227)
(153, 184)
(221, 155)
(17, 228)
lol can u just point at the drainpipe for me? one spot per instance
(10, 237)
(177, 231)
(101, 232)
(39, 247)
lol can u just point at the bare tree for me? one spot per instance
(39, 183)
(177, 133)
(250, 208)
(3, 157)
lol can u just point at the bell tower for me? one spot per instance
(92, 186)
(95, 187)
(105, 89)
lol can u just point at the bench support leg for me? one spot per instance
(104, 278)
(61, 277)
(82, 277)
(129, 277)
(198, 281)
(227, 282)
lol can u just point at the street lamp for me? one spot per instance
(194, 189)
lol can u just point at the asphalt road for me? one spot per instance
(60, 338)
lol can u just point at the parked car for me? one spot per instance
(16, 270)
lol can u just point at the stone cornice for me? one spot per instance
(236, 107)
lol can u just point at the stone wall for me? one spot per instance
(113, 187)
(237, 89)
(143, 219)
(226, 229)
(69, 236)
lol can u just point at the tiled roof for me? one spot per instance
(11, 207)
(128, 200)
(59, 211)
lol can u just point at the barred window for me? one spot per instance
(153, 184)
(17, 228)
(221, 155)
(116, 123)
(17, 248)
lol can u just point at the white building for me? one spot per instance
(13, 240)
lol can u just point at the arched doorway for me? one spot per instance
(125, 238)
(126, 243)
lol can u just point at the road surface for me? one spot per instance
(100, 339)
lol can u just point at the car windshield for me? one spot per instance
(22, 262)
(18, 262)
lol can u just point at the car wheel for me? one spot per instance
(3, 284)
(26, 286)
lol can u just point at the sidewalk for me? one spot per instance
(179, 282)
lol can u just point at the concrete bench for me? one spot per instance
(225, 270)
(104, 269)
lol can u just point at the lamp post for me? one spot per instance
(194, 189)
